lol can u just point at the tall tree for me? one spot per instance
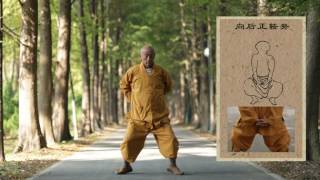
(204, 73)
(60, 113)
(111, 98)
(212, 121)
(45, 74)
(30, 137)
(195, 66)
(313, 84)
(185, 72)
(85, 116)
(95, 72)
(104, 41)
(262, 8)
(2, 156)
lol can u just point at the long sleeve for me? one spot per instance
(168, 82)
(125, 85)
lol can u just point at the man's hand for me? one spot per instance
(262, 123)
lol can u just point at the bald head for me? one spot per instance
(147, 48)
(147, 55)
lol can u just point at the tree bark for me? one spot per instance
(114, 101)
(60, 113)
(262, 9)
(2, 155)
(30, 137)
(313, 84)
(182, 96)
(45, 78)
(185, 72)
(85, 115)
(195, 66)
(95, 78)
(212, 121)
(204, 78)
(110, 88)
(104, 43)
(120, 97)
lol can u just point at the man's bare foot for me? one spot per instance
(124, 170)
(175, 170)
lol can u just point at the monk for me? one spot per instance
(145, 85)
(266, 121)
(261, 84)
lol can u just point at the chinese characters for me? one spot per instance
(262, 26)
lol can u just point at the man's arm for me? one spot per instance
(271, 68)
(125, 85)
(254, 65)
(167, 82)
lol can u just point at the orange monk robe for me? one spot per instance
(149, 111)
(275, 136)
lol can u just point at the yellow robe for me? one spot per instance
(146, 93)
(148, 111)
(275, 136)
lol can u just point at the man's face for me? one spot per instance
(147, 57)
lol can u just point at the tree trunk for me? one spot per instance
(2, 156)
(185, 73)
(212, 122)
(313, 84)
(30, 137)
(204, 79)
(85, 115)
(262, 9)
(102, 84)
(113, 103)
(60, 113)
(182, 95)
(114, 79)
(110, 89)
(195, 66)
(115, 99)
(95, 78)
(120, 98)
(45, 78)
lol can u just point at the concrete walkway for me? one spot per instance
(196, 159)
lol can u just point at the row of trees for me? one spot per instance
(72, 54)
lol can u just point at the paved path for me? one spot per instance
(196, 159)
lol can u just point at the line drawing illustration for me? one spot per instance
(261, 85)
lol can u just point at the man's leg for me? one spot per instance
(278, 142)
(241, 141)
(132, 145)
(168, 145)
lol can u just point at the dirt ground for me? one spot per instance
(306, 170)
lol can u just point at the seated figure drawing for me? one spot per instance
(261, 84)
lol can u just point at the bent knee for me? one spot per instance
(278, 143)
(240, 142)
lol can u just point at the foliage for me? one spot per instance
(10, 114)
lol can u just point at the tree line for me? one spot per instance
(61, 62)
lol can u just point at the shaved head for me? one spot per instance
(147, 54)
(147, 48)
